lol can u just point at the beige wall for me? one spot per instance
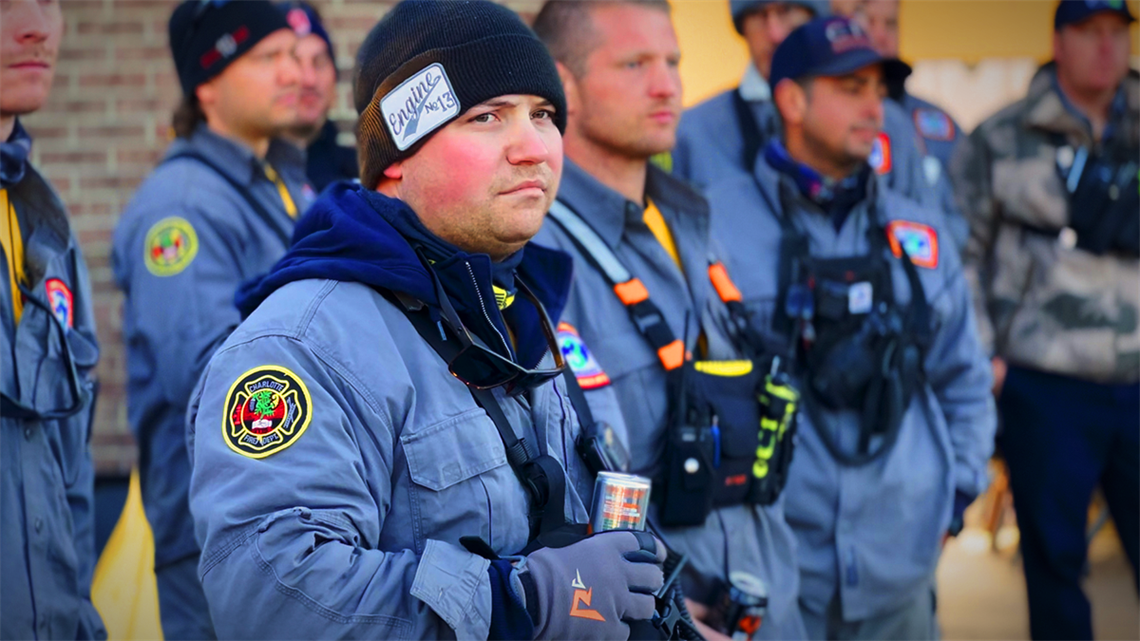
(970, 56)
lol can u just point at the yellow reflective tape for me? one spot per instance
(724, 368)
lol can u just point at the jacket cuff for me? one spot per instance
(454, 583)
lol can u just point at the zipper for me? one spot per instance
(483, 306)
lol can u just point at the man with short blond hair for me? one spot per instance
(1050, 190)
(623, 97)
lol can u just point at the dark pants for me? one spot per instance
(1062, 438)
(181, 602)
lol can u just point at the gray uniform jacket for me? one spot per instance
(870, 533)
(710, 146)
(938, 135)
(47, 531)
(184, 244)
(352, 529)
(744, 537)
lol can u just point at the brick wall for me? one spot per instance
(105, 126)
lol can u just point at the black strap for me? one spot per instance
(541, 475)
(749, 129)
(646, 316)
(257, 207)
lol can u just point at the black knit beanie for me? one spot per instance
(207, 35)
(428, 61)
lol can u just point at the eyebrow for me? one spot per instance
(508, 102)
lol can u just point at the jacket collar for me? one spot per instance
(237, 159)
(1047, 109)
(608, 212)
(346, 236)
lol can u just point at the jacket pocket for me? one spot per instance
(453, 451)
(461, 484)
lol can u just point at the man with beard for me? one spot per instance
(325, 160)
(935, 131)
(664, 325)
(725, 134)
(383, 446)
(47, 524)
(219, 209)
(858, 286)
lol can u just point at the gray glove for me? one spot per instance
(589, 590)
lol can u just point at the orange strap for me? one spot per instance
(723, 284)
(631, 292)
(672, 355)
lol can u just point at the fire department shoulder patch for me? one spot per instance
(585, 367)
(171, 244)
(61, 302)
(880, 159)
(267, 410)
(920, 242)
(933, 124)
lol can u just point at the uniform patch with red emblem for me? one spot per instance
(932, 124)
(60, 301)
(920, 242)
(581, 361)
(880, 158)
(267, 410)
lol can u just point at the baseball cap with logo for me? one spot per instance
(1074, 11)
(833, 46)
(207, 35)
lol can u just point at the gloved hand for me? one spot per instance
(588, 590)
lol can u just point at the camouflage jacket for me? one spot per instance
(1042, 303)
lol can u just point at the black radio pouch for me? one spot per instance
(713, 440)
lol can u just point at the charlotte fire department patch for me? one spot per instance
(585, 367)
(920, 242)
(61, 302)
(171, 244)
(267, 410)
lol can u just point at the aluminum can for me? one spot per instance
(739, 610)
(621, 502)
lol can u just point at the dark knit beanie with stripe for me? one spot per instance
(428, 61)
(207, 35)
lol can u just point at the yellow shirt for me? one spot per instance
(12, 241)
(286, 199)
(656, 223)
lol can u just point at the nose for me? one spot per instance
(777, 30)
(307, 72)
(289, 71)
(665, 80)
(874, 109)
(32, 24)
(527, 146)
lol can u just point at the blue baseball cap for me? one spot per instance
(1074, 11)
(833, 46)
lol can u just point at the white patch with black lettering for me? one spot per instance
(420, 105)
